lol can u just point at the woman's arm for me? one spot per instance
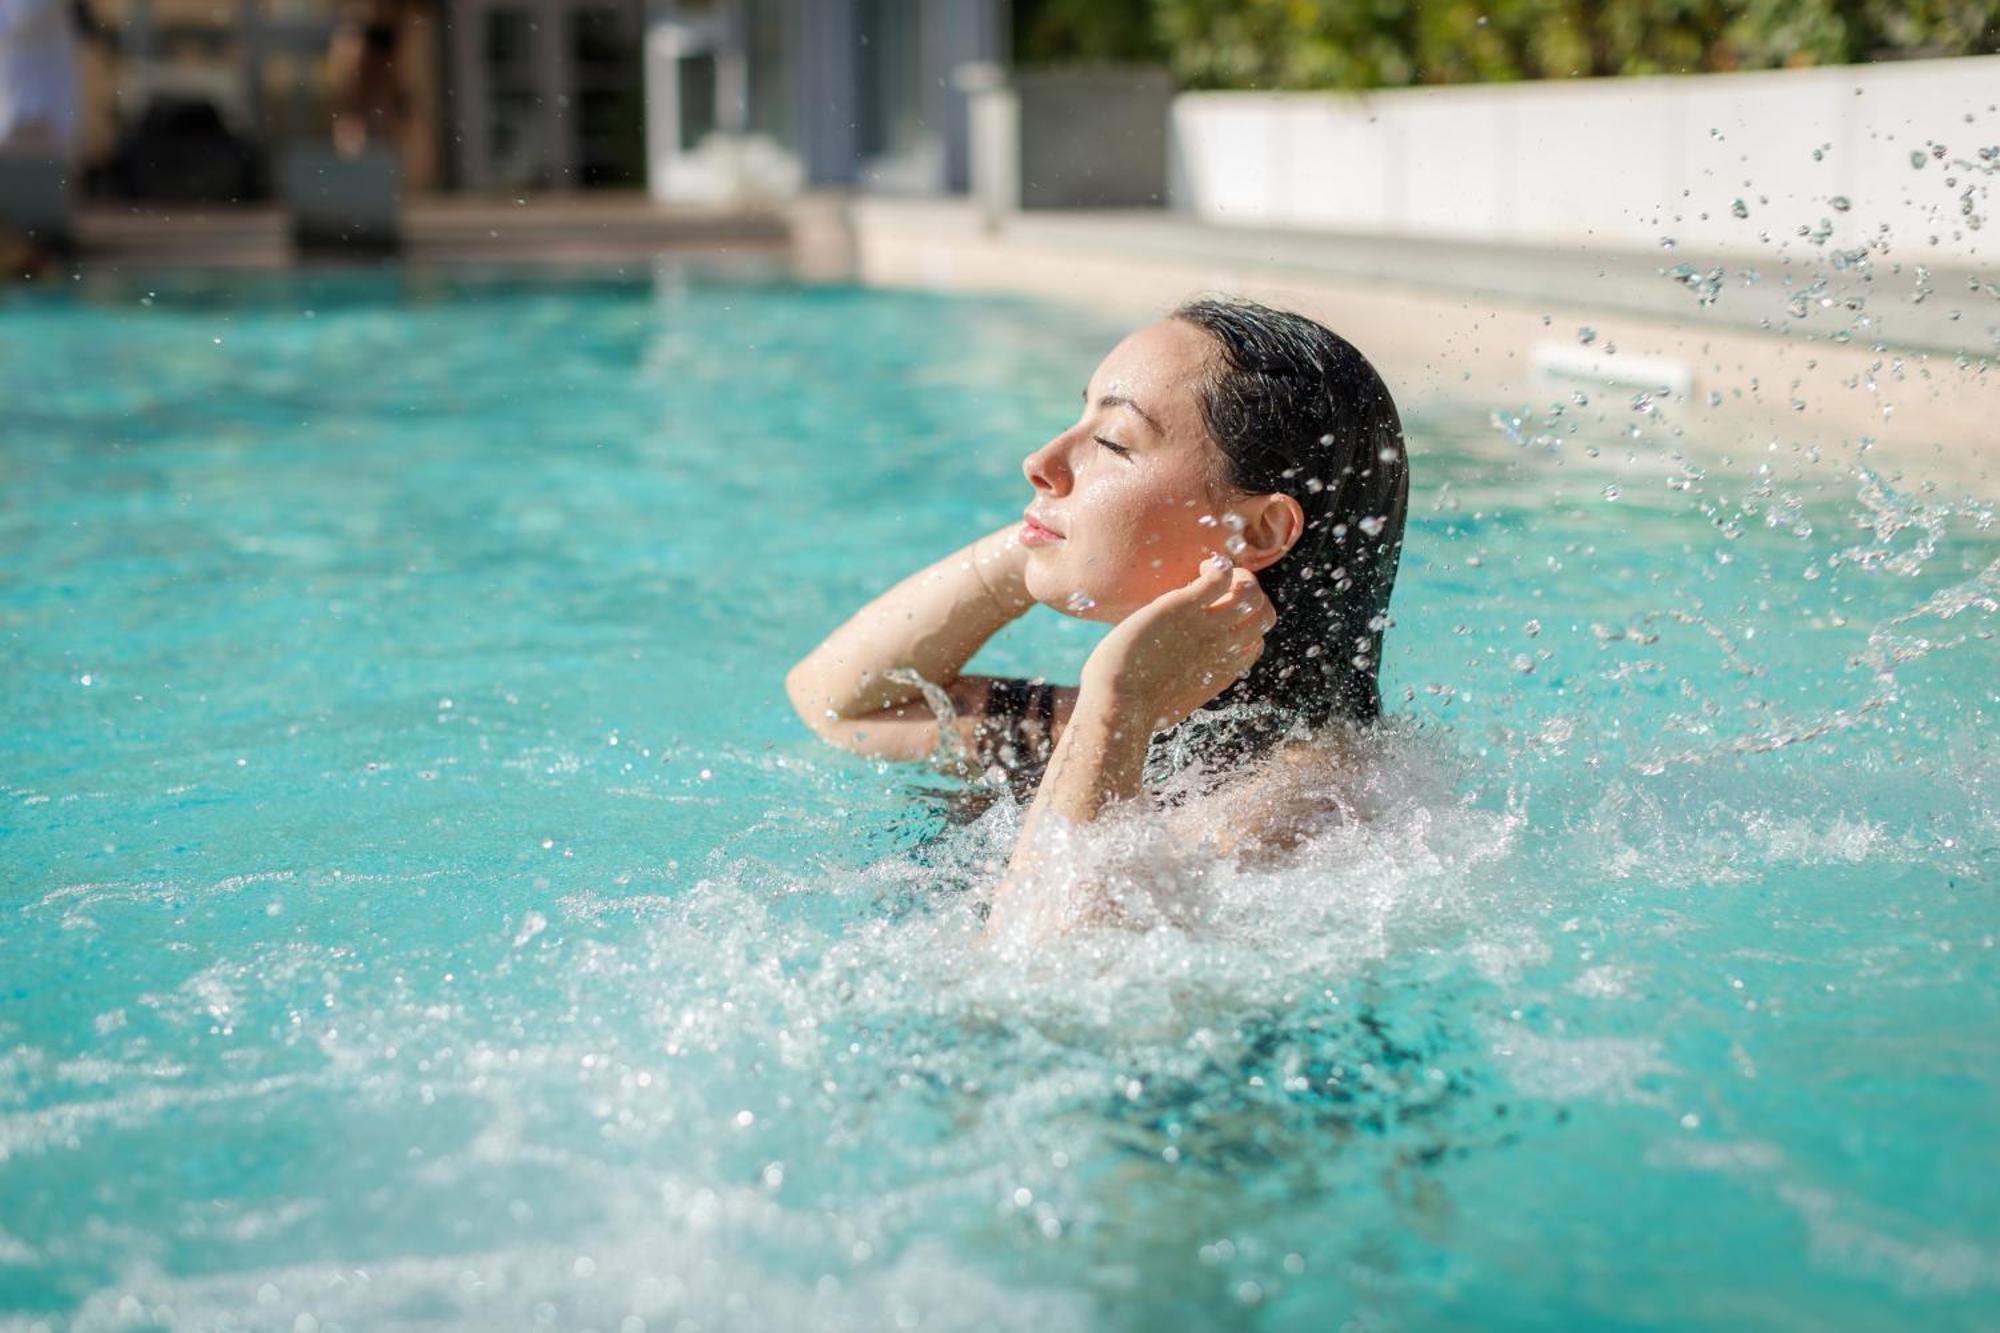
(1154, 669)
(1097, 763)
(855, 691)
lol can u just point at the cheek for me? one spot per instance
(1142, 541)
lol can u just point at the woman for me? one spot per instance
(363, 70)
(1231, 502)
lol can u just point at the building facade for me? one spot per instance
(770, 94)
(701, 100)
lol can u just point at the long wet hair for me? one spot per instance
(1292, 407)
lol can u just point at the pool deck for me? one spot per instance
(540, 229)
(1762, 360)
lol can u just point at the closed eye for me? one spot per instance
(1118, 449)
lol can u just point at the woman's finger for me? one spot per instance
(1215, 574)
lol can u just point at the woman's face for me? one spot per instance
(1127, 489)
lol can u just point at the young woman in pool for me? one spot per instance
(1231, 501)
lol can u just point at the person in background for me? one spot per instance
(38, 125)
(364, 71)
(38, 84)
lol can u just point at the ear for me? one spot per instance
(1271, 526)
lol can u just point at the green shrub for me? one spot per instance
(1353, 44)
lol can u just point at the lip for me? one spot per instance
(1036, 533)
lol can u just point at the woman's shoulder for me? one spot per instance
(1273, 804)
(1328, 751)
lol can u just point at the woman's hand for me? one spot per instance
(1184, 647)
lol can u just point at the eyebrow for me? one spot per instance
(1120, 400)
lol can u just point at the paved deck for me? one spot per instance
(594, 228)
(1752, 291)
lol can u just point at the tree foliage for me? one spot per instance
(1353, 44)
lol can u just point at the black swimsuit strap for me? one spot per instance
(1017, 700)
(1006, 700)
(1019, 719)
(1045, 706)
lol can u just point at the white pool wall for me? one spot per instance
(1607, 162)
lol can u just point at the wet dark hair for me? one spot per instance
(1292, 407)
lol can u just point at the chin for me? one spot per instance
(1077, 603)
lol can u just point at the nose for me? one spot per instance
(1047, 468)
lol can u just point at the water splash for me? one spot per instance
(951, 751)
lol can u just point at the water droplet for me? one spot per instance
(1667, 242)
(1373, 525)
(1611, 492)
(1586, 335)
(1235, 545)
(1206, 520)
(1917, 159)
(1740, 209)
(1840, 203)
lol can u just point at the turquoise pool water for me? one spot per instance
(421, 908)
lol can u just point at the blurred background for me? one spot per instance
(213, 102)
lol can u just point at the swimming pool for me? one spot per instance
(423, 909)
